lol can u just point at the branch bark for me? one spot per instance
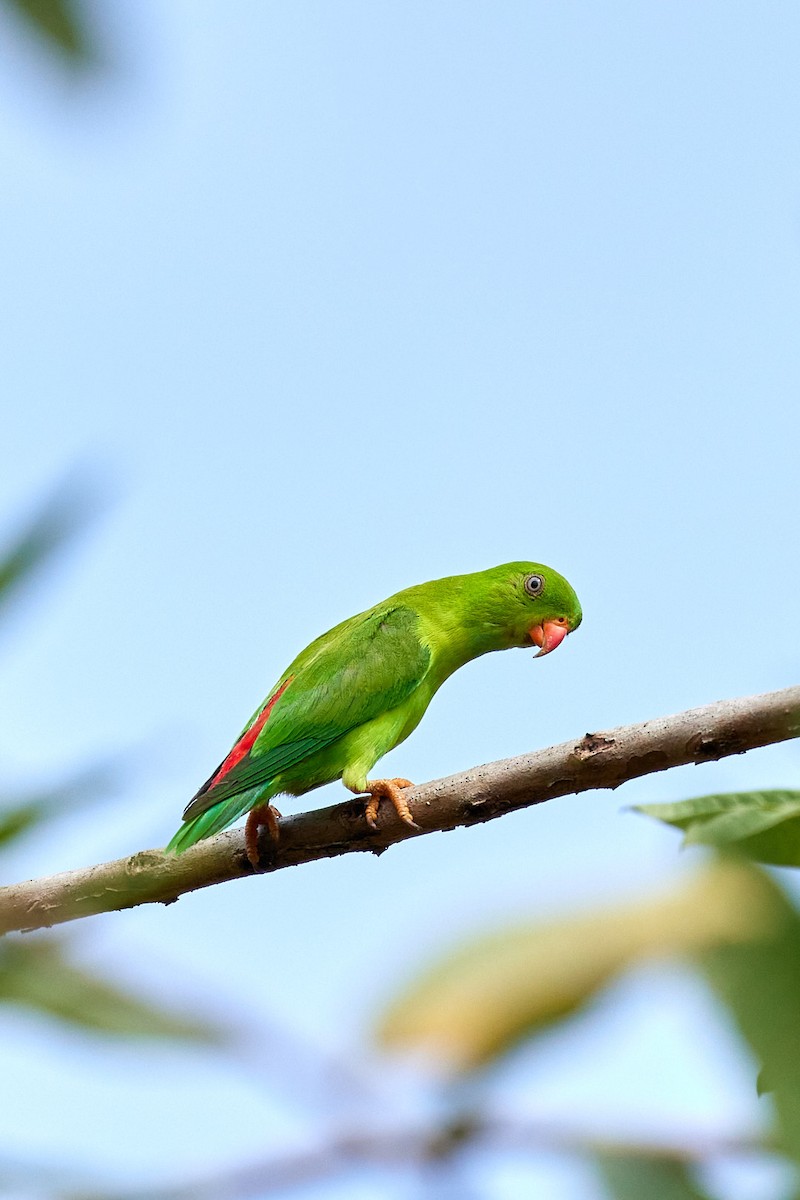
(423, 1147)
(598, 760)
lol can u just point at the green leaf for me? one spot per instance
(36, 973)
(22, 814)
(61, 26)
(17, 819)
(765, 826)
(759, 983)
(58, 519)
(632, 1177)
(497, 990)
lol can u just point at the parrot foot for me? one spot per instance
(388, 789)
(264, 814)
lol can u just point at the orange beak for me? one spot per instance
(548, 636)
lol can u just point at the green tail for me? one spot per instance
(215, 819)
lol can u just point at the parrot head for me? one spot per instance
(537, 605)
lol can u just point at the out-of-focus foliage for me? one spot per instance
(731, 923)
(22, 814)
(759, 982)
(61, 26)
(765, 826)
(629, 1177)
(53, 526)
(498, 990)
(37, 972)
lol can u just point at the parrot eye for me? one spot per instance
(534, 585)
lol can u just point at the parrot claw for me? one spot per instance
(264, 815)
(388, 789)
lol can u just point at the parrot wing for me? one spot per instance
(359, 670)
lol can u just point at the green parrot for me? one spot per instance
(359, 690)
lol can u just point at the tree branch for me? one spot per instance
(414, 1147)
(598, 760)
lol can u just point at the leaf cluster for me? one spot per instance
(59, 25)
(730, 923)
(40, 973)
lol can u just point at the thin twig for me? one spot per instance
(414, 1146)
(598, 760)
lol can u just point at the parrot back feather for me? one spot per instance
(373, 664)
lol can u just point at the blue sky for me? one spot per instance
(337, 297)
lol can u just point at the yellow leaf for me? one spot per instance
(481, 1001)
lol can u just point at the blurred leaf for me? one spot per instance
(759, 982)
(24, 813)
(763, 825)
(60, 24)
(36, 973)
(628, 1177)
(58, 519)
(480, 1002)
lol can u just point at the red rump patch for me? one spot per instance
(247, 740)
